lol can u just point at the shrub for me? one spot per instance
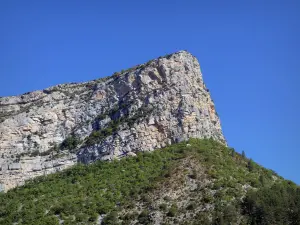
(111, 218)
(163, 206)
(129, 217)
(101, 117)
(34, 153)
(173, 210)
(167, 198)
(191, 206)
(144, 218)
(146, 198)
(69, 143)
(116, 74)
(193, 175)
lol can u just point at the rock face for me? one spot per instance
(149, 106)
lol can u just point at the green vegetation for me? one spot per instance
(168, 56)
(173, 210)
(70, 143)
(118, 74)
(113, 189)
(98, 135)
(113, 126)
(83, 191)
(278, 204)
(243, 154)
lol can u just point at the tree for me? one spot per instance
(243, 154)
(251, 165)
(111, 218)
(262, 180)
(232, 152)
(230, 214)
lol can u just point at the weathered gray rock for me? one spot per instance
(156, 104)
(14, 166)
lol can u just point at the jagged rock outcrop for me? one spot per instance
(146, 107)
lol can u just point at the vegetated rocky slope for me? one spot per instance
(193, 182)
(155, 104)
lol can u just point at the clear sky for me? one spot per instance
(249, 52)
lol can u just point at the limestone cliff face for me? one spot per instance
(146, 107)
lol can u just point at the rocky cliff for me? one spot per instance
(149, 106)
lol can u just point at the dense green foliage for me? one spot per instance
(70, 143)
(83, 192)
(98, 135)
(80, 194)
(278, 204)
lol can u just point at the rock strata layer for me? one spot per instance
(149, 106)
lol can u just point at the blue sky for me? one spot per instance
(249, 53)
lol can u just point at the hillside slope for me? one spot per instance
(192, 182)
